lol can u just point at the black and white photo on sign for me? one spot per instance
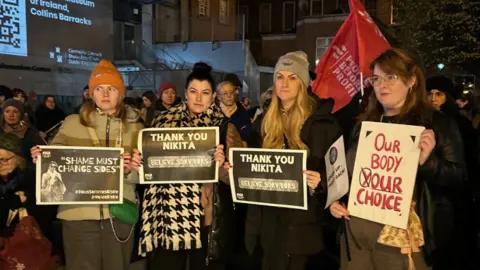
(336, 170)
(178, 155)
(79, 175)
(269, 177)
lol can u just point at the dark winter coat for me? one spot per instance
(47, 118)
(17, 180)
(241, 120)
(297, 232)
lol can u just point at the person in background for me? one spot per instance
(294, 120)
(227, 95)
(5, 93)
(16, 177)
(91, 236)
(32, 99)
(148, 112)
(441, 94)
(85, 97)
(245, 103)
(205, 242)
(466, 102)
(400, 97)
(12, 121)
(167, 94)
(48, 114)
(20, 95)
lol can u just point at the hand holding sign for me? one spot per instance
(219, 155)
(136, 161)
(127, 166)
(339, 210)
(35, 151)
(427, 143)
(313, 179)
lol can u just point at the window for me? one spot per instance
(316, 7)
(371, 7)
(322, 44)
(265, 17)
(288, 16)
(395, 8)
(223, 13)
(203, 8)
(243, 12)
(343, 5)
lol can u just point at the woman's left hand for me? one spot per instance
(313, 179)
(127, 165)
(219, 155)
(426, 145)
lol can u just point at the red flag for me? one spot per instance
(356, 45)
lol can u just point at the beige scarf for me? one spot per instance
(228, 110)
(409, 240)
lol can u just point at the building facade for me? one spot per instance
(275, 27)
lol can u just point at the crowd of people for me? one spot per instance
(442, 226)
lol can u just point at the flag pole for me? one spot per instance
(361, 83)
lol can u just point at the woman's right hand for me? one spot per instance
(339, 210)
(35, 151)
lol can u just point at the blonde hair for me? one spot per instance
(275, 125)
(89, 107)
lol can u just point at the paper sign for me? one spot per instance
(337, 174)
(384, 174)
(269, 177)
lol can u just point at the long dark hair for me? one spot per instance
(150, 110)
(201, 72)
(398, 62)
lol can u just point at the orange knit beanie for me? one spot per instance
(106, 73)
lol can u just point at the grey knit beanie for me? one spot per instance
(296, 62)
(14, 103)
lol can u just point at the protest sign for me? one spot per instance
(336, 170)
(271, 177)
(79, 175)
(384, 174)
(178, 155)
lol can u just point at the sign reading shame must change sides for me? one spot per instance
(178, 155)
(270, 177)
(79, 175)
(385, 172)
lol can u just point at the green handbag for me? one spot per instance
(127, 212)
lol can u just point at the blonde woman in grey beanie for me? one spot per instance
(295, 119)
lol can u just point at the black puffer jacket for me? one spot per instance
(441, 176)
(284, 231)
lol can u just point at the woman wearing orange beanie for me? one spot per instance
(92, 239)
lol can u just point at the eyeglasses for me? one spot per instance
(377, 80)
(6, 160)
(228, 94)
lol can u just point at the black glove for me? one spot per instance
(13, 202)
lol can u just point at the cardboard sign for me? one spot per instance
(385, 172)
(337, 173)
(178, 155)
(270, 177)
(79, 175)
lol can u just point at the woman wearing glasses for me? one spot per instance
(399, 96)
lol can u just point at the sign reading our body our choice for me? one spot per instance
(385, 171)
